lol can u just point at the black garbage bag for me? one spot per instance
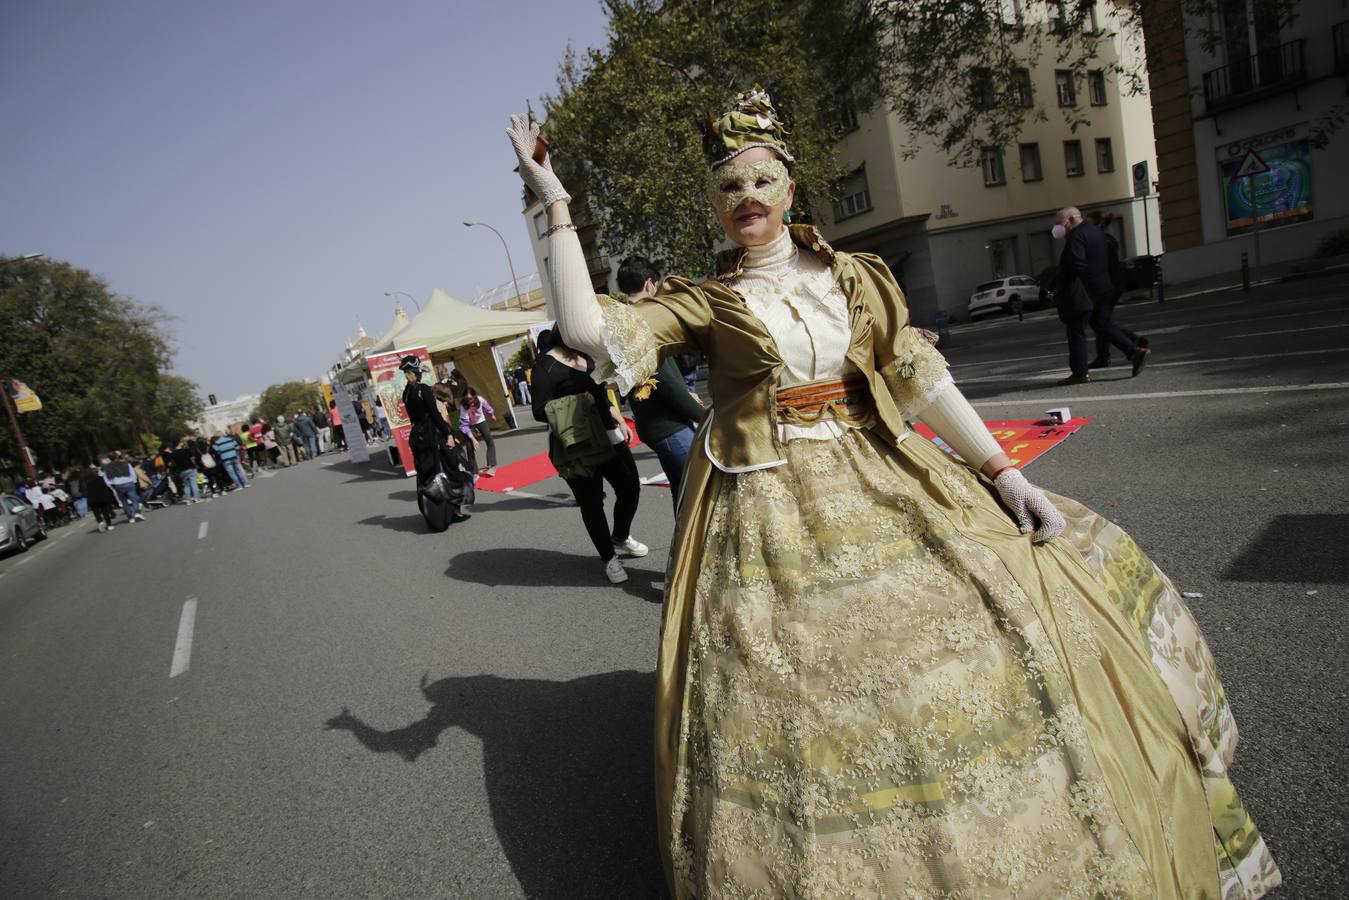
(444, 483)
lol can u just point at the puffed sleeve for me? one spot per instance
(639, 336)
(914, 371)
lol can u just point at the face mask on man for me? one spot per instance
(1059, 232)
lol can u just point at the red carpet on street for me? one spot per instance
(1024, 440)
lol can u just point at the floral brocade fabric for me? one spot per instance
(876, 706)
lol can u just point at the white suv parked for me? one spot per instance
(1003, 293)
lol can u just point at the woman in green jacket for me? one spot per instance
(883, 671)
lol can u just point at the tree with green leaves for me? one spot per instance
(97, 361)
(286, 398)
(623, 120)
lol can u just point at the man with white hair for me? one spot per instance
(1083, 284)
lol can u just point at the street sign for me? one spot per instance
(1140, 173)
(1251, 165)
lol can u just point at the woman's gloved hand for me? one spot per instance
(538, 177)
(1029, 506)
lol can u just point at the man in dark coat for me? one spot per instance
(1108, 331)
(1083, 283)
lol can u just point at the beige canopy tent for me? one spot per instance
(462, 336)
(355, 371)
(400, 324)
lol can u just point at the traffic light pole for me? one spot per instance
(28, 469)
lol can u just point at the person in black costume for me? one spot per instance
(435, 446)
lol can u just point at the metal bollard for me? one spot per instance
(943, 331)
(1245, 273)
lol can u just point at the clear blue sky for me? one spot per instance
(265, 171)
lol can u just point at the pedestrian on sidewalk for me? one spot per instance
(1084, 284)
(216, 480)
(381, 417)
(227, 450)
(663, 409)
(321, 430)
(284, 443)
(185, 461)
(475, 413)
(101, 497)
(562, 372)
(522, 386)
(339, 437)
(1103, 312)
(121, 477)
(308, 432)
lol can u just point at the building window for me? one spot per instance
(854, 196)
(1105, 156)
(1072, 158)
(1030, 163)
(1021, 89)
(990, 160)
(1096, 87)
(981, 88)
(1063, 86)
(540, 223)
(1010, 11)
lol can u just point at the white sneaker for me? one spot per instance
(102, 526)
(112, 527)
(630, 547)
(614, 571)
(139, 518)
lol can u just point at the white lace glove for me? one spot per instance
(538, 177)
(1029, 505)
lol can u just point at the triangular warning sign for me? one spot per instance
(1251, 164)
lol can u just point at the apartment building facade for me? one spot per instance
(1237, 132)
(944, 228)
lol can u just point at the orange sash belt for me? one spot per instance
(848, 400)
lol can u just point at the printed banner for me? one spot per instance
(1266, 183)
(389, 382)
(25, 399)
(357, 450)
(1024, 440)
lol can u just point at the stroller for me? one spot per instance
(444, 481)
(160, 492)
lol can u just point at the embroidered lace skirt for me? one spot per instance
(884, 690)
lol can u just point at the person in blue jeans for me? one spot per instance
(121, 477)
(663, 410)
(227, 448)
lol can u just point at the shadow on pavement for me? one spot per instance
(568, 771)
(413, 522)
(1297, 549)
(508, 502)
(375, 470)
(532, 567)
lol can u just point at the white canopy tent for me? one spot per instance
(400, 324)
(446, 324)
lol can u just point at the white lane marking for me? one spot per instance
(25, 561)
(1000, 362)
(1082, 400)
(201, 530)
(63, 535)
(533, 496)
(1285, 331)
(182, 648)
(1054, 374)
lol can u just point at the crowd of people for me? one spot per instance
(193, 470)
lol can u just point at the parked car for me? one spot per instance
(20, 525)
(1004, 294)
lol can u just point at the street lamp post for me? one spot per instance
(405, 294)
(511, 265)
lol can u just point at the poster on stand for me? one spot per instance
(357, 450)
(389, 382)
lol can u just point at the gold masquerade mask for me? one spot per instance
(765, 182)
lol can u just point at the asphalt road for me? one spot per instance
(368, 709)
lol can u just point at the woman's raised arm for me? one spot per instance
(578, 315)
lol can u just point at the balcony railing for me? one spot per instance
(1268, 68)
(1339, 35)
